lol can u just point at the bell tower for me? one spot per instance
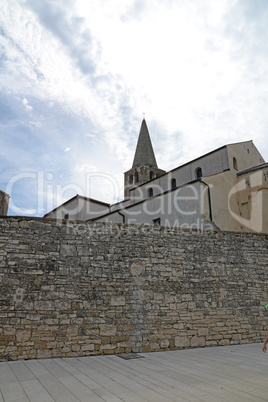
(144, 166)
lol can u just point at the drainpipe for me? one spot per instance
(124, 218)
(209, 200)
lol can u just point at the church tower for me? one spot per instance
(144, 166)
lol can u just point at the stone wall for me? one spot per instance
(76, 288)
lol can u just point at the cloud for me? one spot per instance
(26, 104)
(86, 168)
(67, 149)
(79, 75)
(71, 30)
(134, 11)
(42, 60)
(7, 112)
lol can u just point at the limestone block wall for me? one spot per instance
(76, 288)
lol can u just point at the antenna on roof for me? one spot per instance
(143, 115)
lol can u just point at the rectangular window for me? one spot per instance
(66, 216)
(157, 221)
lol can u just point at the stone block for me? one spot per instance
(224, 342)
(44, 354)
(198, 341)
(236, 337)
(107, 330)
(154, 347)
(76, 348)
(118, 301)
(187, 297)
(23, 336)
(164, 344)
(211, 343)
(158, 297)
(181, 342)
(68, 250)
(127, 344)
(169, 299)
(202, 331)
(72, 331)
(51, 345)
(89, 347)
(108, 346)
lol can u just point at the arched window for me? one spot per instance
(235, 164)
(173, 183)
(151, 175)
(136, 177)
(131, 179)
(198, 173)
(150, 192)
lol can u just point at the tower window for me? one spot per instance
(235, 164)
(151, 175)
(157, 221)
(136, 177)
(150, 192)
(131, 179)
(173, 183)
(198, 173)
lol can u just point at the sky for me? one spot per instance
(78, 76)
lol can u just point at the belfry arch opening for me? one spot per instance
(198, 173)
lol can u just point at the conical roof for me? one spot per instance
(144, 154)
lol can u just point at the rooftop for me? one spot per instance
(252, 169)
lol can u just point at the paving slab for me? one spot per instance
(236, 373)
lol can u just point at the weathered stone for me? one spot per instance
(164, 344)
(23, 336)
(198, 341)
(106, 347)
(202, 331)
(107, 330)
(91, 288)
(89, 347)
(118, 301)
(72, 331)
(181, 342)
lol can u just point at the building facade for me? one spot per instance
(79, 208)
(4, 201)
(224, 189)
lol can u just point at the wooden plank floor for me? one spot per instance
(228, 373)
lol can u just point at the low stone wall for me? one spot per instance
(76, 288)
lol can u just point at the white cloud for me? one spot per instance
(26, 104)
(86, 168)
(88, 70)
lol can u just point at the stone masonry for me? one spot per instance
(75, 288)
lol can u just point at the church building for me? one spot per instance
(4, 201)
(225, 189)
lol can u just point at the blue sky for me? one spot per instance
(76, 77)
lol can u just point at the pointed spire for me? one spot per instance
(144, 154)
